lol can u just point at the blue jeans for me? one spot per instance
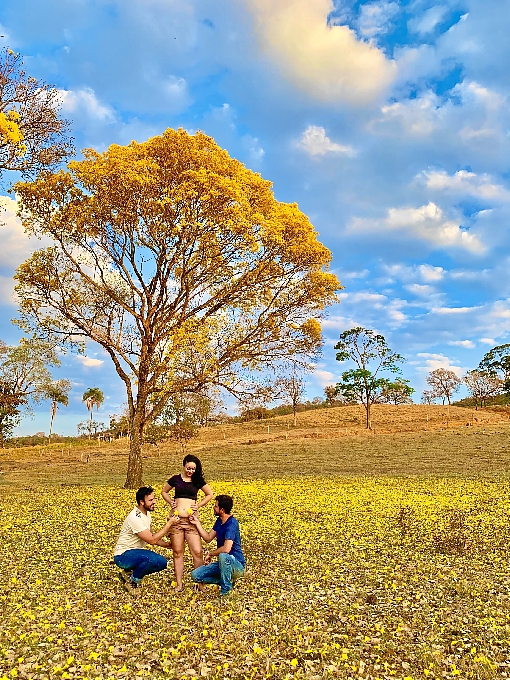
(141, 561)
(221, 573)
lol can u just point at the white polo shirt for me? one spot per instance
(128, 539)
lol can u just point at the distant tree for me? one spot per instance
(92, 397)
(497, 362)
(33, 137)
(24, 379)
(192, 407)
(428, 397)
(10, 404)
(90, 428)
(444, 383)
(330, 393)
(119, 424)
(370, 352)
(291, 388)
(57, 392)
(482, 385)
(397, 392)
(183, 433)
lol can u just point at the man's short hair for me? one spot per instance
(225, 503)
(142, 492)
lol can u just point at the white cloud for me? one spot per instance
(464, 182)
(324, 378)
(7, 290)
(433, 361)
(86, 100)
(375, 17)
(453, 310)
(16, 246)
(421, 290)
(416, 117)
(255, 151)
(427, 223)
(373, 309)
(88, 362)
(422, 272)
(315, 142)
(488, 341)
(327, 62)
(175, 87)
(430, 273)
(363, 274)
(427, 22)
(468, 344)
(473, 91)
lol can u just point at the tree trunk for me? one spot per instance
(367, 409)
(135, 465)
(294, 410)
(53, 412)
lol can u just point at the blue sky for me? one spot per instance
(387, 122)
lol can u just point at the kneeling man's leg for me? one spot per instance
(208, 573)
(149, 563)
(230, 569)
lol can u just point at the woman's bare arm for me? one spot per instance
(207, 497)
(165, 492)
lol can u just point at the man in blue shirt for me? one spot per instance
(231, 562)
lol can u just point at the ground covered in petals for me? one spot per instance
(347, 577)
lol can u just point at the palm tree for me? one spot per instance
(57, 393)
(92, 397)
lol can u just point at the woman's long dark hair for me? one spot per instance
(198, 476)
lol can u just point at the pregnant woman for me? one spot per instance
(186, 486)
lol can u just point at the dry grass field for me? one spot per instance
(371, 555)
(405, 440)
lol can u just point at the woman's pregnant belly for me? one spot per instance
(183, 505)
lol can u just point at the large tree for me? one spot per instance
(372, 356)
(33, 136)
(179, 262)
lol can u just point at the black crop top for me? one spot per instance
(183, 489)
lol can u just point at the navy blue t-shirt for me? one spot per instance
(229, 531)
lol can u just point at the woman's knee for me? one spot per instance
(178, 554)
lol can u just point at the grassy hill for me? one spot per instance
(405, 440)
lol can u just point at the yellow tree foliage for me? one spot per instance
(33, 137)
(179, 262)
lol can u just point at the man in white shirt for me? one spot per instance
(130, 553)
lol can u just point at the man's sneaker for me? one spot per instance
(131, 588)
(125, 575)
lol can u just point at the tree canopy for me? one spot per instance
(24, 379)
(372, 355)
(33, 137)
(497, 362)
(179, 262)
(444, 383)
